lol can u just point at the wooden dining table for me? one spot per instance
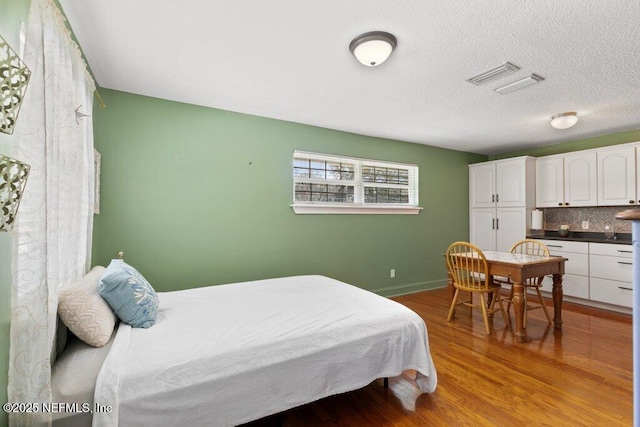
(518, 268)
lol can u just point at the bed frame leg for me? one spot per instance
(385, 382)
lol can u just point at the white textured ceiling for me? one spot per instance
(289, 60)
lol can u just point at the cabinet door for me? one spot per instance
(617, 177)
(572, 285)
(611, 292)
(511, 225)
(511, 183)
(580, 179)
(482, 231)
(482, 185)
(549, 182)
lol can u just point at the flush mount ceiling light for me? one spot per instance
(373, 48)
(564, 120)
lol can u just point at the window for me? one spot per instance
(330, 184)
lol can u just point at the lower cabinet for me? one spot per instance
(575, 281)
(611, 273)
(612, 292)
(599, 272)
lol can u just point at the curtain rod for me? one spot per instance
(99, 98)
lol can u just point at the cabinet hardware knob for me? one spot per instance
(560, 204)
(493, 198)
(632, 201)
(566, 204)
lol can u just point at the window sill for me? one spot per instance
(355, 209)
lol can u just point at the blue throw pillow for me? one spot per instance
(129, 294)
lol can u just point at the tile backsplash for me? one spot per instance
(597, 217)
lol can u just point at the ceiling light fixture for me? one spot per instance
(564, 120)
(373, 48)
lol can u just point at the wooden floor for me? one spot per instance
(579, 376)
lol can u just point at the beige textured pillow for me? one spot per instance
(83, 310)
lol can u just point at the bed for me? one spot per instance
(229, 354)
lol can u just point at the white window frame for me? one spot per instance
(358, 206)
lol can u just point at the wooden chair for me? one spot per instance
(469, 272)
(529, 247)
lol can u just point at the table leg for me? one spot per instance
(519, 309)
(557, 301)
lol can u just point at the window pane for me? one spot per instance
(303, 196)
(368, 174)
(385, 175)
(300, 173)
(347, 176)
(403, 177)
(333, 174)
(385, 195)
(333, 166)
(300, 163)
(318, 164)
(318, 197)
(324, 193)
(318, 173)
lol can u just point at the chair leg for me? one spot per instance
(453, 305)
(544, 306)
(505, 314)
(484, 314)
(510, 299)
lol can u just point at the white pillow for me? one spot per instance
(85, 312)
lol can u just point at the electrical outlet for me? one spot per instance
(585, 225)
(393, 273)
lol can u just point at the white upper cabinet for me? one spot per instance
(482, 185)
(580, 179)
(511, 186)
(501, 183)
(567, 180)
(617, 176)
(549, 182)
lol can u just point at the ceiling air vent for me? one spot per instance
(519, 84)
(494, 73)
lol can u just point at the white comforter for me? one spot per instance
(229, 354)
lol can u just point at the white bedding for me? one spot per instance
(225, 355)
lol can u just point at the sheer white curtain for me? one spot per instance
(52, 242)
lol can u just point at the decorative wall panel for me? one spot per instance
(14, 77)
(13, 178)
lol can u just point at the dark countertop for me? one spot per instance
(584, 236)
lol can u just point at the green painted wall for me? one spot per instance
(11, 13)
(581, 144)
(197, 196)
